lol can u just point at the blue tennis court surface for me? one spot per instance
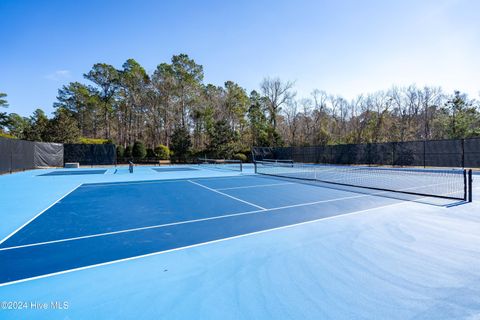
(210, 244)
(174, 169)
(99, 223)
(73, 172)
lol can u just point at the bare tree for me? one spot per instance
(292, 121)
(277, 93)
(430, 99)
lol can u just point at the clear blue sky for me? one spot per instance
(343, 47)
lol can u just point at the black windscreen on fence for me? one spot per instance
(18, 155)
(5, 155)
(472, 153)
(432, 153)
(48, 154)
(90, 154)
(22, 154)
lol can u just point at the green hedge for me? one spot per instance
(84, 140)
(241, 157)
(162, 152)
(6, 135)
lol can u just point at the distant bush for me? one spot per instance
(150, 153)
(84, 140)
(162, 152)
(241, 157)
(128, 152)
(120, 152)
(6, 135)
(138, 150)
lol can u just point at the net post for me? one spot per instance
(465, 185)
(241, 166)
(470, 184)
(255, 166)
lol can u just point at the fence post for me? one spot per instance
(470, 185)
(463, 153)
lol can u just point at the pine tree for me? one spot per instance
(63, 128)
(181, 143)
(138, 151)
(3, 115)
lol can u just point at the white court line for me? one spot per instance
(120, 183)
(257, 186)
(196, 245)
(227, 195)
(129, 183)
(129, 230)
(36, 216)
(243, 175)
(180, 222)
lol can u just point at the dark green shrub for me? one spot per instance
(241, 157)
(150, 153)
(162, 152)
(120, 152)
(128, 152)
(139, 151)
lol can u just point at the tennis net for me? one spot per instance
(235, 165)
(443, 183)
(278, 161)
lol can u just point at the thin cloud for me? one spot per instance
(58, 75)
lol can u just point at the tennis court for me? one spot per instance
(73, 172)
(155, 216)
(174, 169)
(202, 221)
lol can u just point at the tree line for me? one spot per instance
(173, 108)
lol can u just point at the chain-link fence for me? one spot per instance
(463, 153)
